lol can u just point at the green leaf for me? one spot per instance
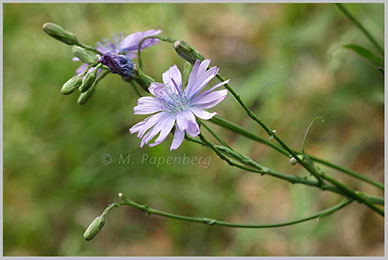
(366, 54)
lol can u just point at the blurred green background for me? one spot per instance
(287, 63)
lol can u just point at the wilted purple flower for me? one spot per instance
(174, 103)
(118, 64)
(119, 44)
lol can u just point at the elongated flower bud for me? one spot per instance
(119, 64)
(185, 51)
(60, 34)
(71, 85)
(84, 55)
(85, 96)
(88, 80)
(94, 228)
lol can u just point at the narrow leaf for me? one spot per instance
(366, 54)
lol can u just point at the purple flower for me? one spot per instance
(119, 64)
(119, 44)
(128, 45)
(172, 103)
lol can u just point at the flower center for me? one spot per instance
(174, 100)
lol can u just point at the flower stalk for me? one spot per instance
(213, 222)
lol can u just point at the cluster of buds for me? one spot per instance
(86, 81)
(112, 61)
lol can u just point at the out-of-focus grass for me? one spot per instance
(287, 63)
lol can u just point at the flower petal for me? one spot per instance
(147, 105)
(153, 86)
(168, 125)
(195, 74)
(146, 124)
(136, 128)
(131, 42)
(165, 122)
(202, 113)
(193, 129)
(179, 135)
(216, 86)
(173, 73)
(200, 78)
(184, 118)
(210, 99)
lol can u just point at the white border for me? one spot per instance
(191, 1)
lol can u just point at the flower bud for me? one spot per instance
(119, 64)
(59, 33)
(71, 85)
(185, 51)
(85, 96)
(84, 55)
(88, 80)
(94, 228)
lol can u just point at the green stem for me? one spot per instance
(307, 132)
(361, 27)
(215, 222)
(100, 77)
(269, 131)
(165, 39)
(135, 87)
(356, 195)
(89, 48)
(349, 172)
(263, 170)
(244, 132)
(213, 133)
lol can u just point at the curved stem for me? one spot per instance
(307, 132)
(244, 132)
(165, 39)
(361, 27)
(215, 222)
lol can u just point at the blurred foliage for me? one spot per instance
(288, 64)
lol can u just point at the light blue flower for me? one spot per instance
(172, 104)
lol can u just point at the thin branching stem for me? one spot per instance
(244, 132)
(209, 221)
(266, 171)
(269, 131)
(219, 139)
